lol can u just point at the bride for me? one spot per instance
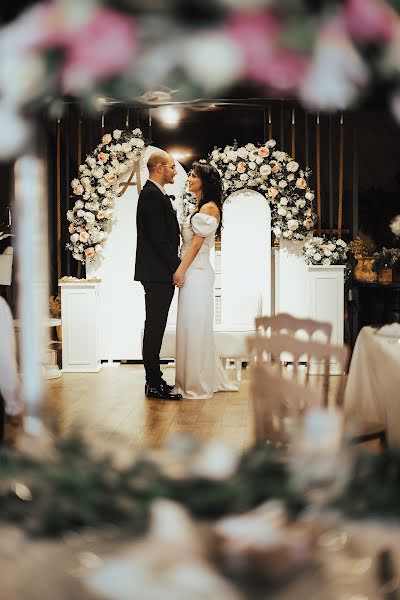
(199, 372)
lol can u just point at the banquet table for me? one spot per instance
(372, 395)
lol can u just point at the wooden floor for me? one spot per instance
(112, 412)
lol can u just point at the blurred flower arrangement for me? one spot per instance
(325, 54)
(186, 205)
(96, 189)
(325, 251)
(362, 247)
(276, 176)
(395, 225)
(55, 307)
(387, 258)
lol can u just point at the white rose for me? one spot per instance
(81, 213)
(283, 201)
(317, 257)
(341, 243)
(277, 231)
(108, 213)
(292, 166)
(70, 215)
(105, 201)
(259, 160)
(239, 184)
(215, 154)
(300, 203)
(331, 247)
(98, 249)
(326, 262)
(309, 196)
(265, 170)
(89, 217)
(295, 211)
(290, 177)
(244, 177)
(252, 165)
(232, 155)
(79, 204)
(242, 153)
(293, 224)
(77, 256)
(117, 134)
(94, 205)
(282, 211)
(101, 189)
(327, 252)
(126, 147)
(231, 167)
(282, 184)
(273, 183)
(98, 172)
(279, 155)
(250, 147)
(270, 144)
(74, 238)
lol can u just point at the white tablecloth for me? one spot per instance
(372, 393)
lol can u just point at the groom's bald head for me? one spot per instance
(161, 167)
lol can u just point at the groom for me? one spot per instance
(156, 262)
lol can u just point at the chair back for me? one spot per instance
(285, 322)
(279, 395)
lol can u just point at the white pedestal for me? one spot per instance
(326, 298)
(80, 325)
(291, 276)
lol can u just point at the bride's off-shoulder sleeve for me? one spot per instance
(204, 225)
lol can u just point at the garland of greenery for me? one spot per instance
(73, 490)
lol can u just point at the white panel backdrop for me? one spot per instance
(245, 259)
(122, 298)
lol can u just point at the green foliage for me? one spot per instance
(74, 490)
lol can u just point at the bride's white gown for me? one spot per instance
(199, 372)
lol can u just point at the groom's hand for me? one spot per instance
(178, 280)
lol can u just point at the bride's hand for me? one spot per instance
(178, 279)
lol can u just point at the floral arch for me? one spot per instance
(96, 188)
(275, 175)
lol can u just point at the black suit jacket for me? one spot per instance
(157, 236)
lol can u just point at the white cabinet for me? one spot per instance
(80, 327)
(326, 298)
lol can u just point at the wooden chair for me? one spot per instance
(292, 325)
(279, 395)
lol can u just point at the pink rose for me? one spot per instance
(102, 46)
(272, 193)
(256, 33)
(83, 236)
(301, 183)
(78, 190)
(110, 177)
(101, 215)
(102, 157)
(106, 139)
(89, 252)
(370, 20)
(71, 228)
(241, 167)
(263, 151)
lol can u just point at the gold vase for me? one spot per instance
(385, 276)
(363, 271)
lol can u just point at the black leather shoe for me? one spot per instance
(161, 393)
(166, 385)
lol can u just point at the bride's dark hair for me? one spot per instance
(211, 188)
